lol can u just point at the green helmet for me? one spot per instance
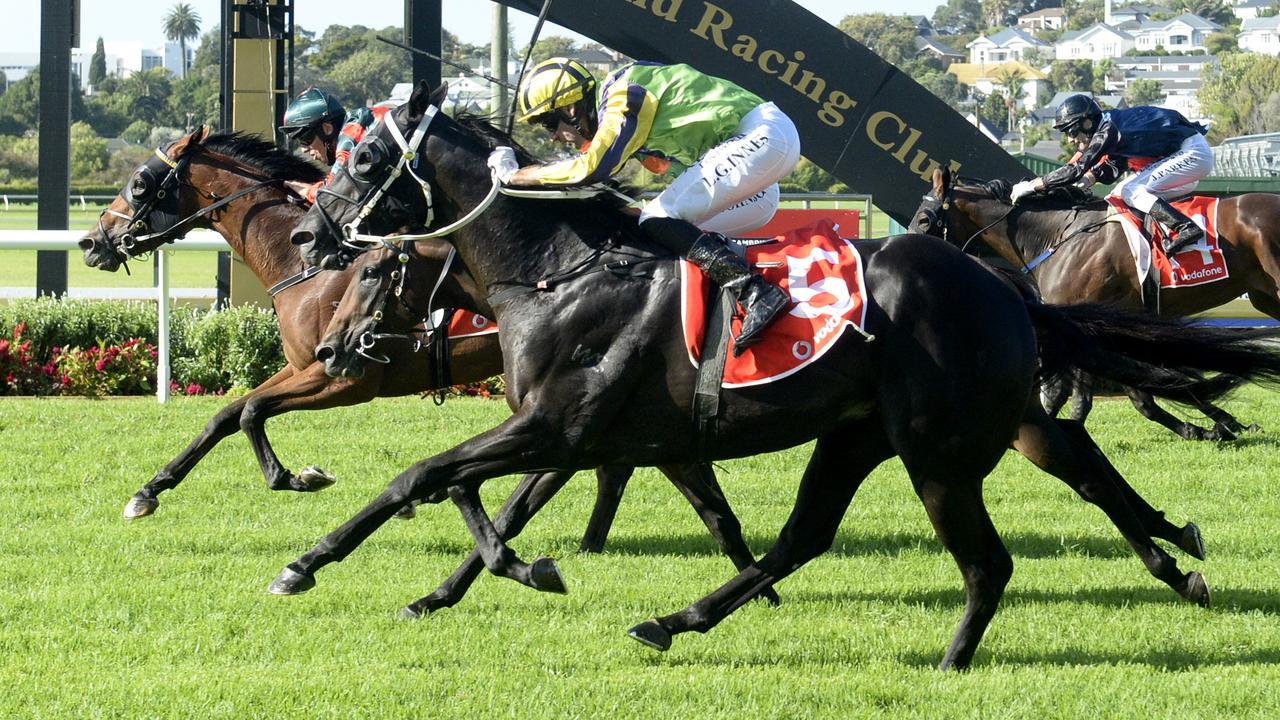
(312, 107)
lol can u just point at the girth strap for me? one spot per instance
(715, 353)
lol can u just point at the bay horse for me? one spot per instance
(231, 183)
(597, 371)
(1073, 255)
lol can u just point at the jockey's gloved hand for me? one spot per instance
(1021, 190)
(503, 162)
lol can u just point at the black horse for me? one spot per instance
(596, 368)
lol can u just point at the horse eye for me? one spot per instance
(366, 159)
(140, 186)
(370, 273)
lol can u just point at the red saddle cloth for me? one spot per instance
(823, 274)
(1196, 265)
(468, 324)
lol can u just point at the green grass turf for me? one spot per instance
(168, 616)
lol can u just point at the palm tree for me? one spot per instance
(1012, 80)
(181, 24)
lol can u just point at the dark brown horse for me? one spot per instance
(1075, 255)
(230, 183)
(596, 368)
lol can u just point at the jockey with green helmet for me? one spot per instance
(326, 132)
(729, 146)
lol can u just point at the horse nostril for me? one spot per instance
(324, 353)
(86, 243)
(302, 237)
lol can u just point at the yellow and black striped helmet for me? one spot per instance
(552, 84)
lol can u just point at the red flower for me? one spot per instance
(100, 365)
(19, 329)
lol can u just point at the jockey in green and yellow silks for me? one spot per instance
(729, 147)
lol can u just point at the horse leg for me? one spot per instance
(1084, 468)
(1081, 396)
(224, 424)
(542, 574)
(840, 462)
(311, 389)
(1054, 394)
(1147, 406)
(1187, 537)
(533, 492)
(611, 481)
(699, 486)
(961, 522)
(519, 443)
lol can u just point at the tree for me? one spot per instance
(549, 47)
(1221, 42)
(98, 65)
(996, 12)
(1237, 94)
(1012, 82)
(368, 76)
(1143, 91)
(143, 95)
(892, 37)
(958, 16)
(182, 24)
(1071, 75)
(88, 152)
(20, 106)
(1082, 14)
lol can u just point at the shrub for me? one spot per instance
(125, 369)
(21, 372)
(236, 347)
(52, 322)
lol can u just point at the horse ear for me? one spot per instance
(423, 96)
(941, 180)
(200, 135)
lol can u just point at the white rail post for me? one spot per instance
(162, 310)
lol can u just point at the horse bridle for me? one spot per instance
(164, 197)
(931, 218)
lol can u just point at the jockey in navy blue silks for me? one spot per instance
(1168, 153)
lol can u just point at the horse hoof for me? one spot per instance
(1222, 433)
(1191, 542)
(408, 512)
(140, 506)
(546, 577)
(652, 634)
(408, 613)
(291, 582)
(312, 479)
(1196, 589)
(587, 548)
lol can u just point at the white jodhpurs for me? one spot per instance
(734, 186)
(1171, 177)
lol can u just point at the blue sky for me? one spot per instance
(468, 19)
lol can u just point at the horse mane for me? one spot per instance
(1068, 197)
(263, 156)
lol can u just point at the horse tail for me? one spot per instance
(1167, 357)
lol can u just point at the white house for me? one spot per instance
(1093, 43)
(1186, 32)
(1260, 35)
(1179, 78)
(1008, 44)
(1249, 8)
(987, 78)
(1045, 19)
(1136, 13)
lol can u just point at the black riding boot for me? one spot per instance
(761, 301)
(1183, 231)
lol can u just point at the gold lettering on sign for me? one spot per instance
(886, 131)
(716, 20)
(665, 9)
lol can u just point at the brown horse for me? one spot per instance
(1067, 246)
(231, 183)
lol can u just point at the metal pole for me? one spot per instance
(423, 21)
(226, 95)
(498, 61)
(54, 169)
(162, 333)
